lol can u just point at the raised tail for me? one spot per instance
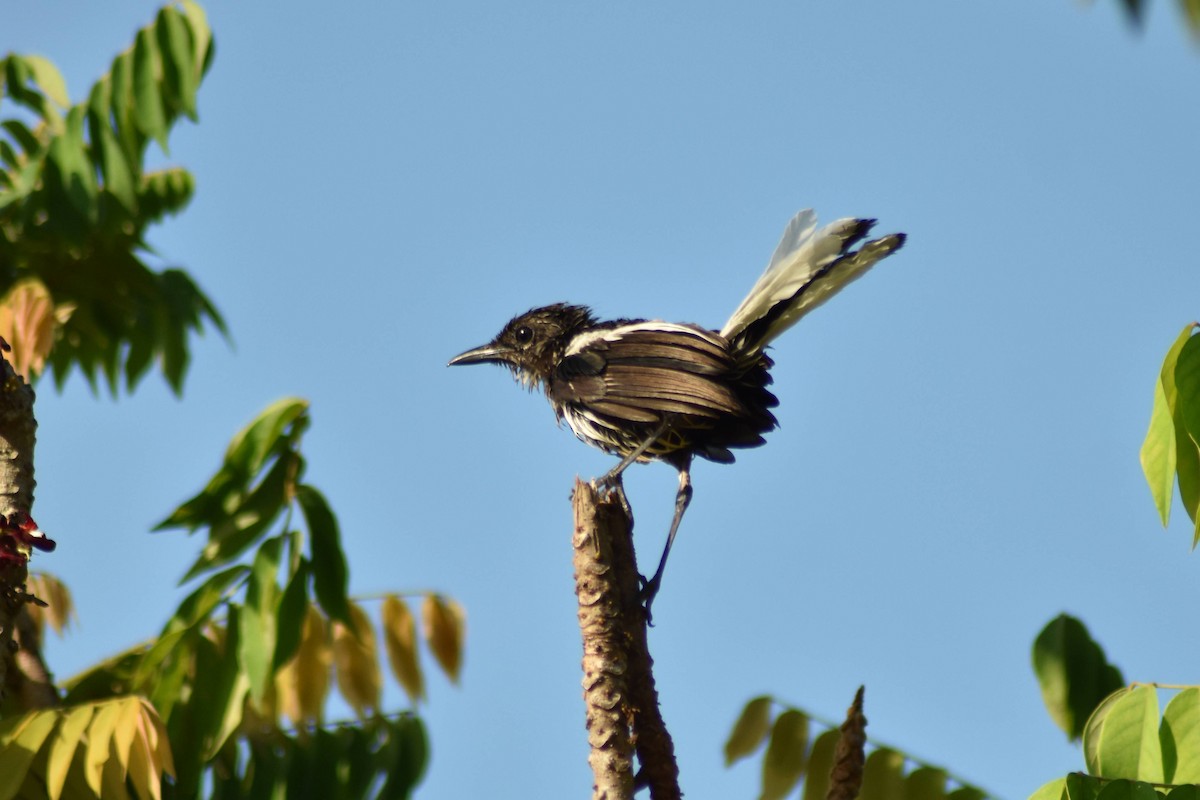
(807, 268)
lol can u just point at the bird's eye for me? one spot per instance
(524, 334)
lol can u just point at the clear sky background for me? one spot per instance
(382, 185)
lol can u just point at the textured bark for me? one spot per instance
(846, 776)
(618, 685)
(25, 682)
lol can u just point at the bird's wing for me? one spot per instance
(640, 371)
(808, 267)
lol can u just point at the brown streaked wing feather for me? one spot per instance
(669, 389)
(625, 411)
(640, 375)
(674, 349)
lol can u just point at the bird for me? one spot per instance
(647, 389)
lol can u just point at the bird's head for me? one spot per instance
(532, 343)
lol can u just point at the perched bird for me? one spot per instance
(648, 389)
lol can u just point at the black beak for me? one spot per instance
(487, 354)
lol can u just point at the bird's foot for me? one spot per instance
(647, 594)
(612, 484)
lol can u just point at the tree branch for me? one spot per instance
(24, 677)
(618, 682)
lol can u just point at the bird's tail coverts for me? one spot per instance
(808, 267)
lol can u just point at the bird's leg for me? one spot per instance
(682, 497)
(612, 478)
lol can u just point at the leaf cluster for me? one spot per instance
(341, 762)
(1125, 739)
(98, 749)
(76, 200)
(1078, 786)
(267, 628)
(1127, 744)
(1171, 448)
(792, 753)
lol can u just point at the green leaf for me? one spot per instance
(1158, 454)
(1187, 417)
(1073, 673)
(748, 732)
(1123, 736)
(1127, 790)
(21, 134)
(118, 178)
(1054, 790)
(1094, 728)
(1083, 787)
(47, 76)
(193, 613)
(970, 793)
(236, 531)
(19, 71)
(820, 762)
(293, 607)
(266, 763)
(124, 111)
(201, 34)
(1187, 457)
(250, 447)
(198, 606)
(312, 771)
(925, 783)
(404, 758)
(783, 763)
(259, 621)
(148, 102)
(219, 693)
(70, 179)
(178, 61)
(328, 562)
(209, 506)
(883, 775)
(1187, 384)
(1180, 737)
(1185, 792)
(359, 763)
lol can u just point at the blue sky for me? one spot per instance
(384, 185)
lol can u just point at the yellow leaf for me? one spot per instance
(19, 743)
(99, 741)
(400, 638)
(59, 610)
(159, 743)
(125, 730)
(27, 323)
(142, 774)
(63, 746)
(354, 654)
(49, 79)
(445, 625)
(303, 682)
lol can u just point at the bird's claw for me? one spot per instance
(646, 595)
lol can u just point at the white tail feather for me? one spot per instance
(807, 268)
